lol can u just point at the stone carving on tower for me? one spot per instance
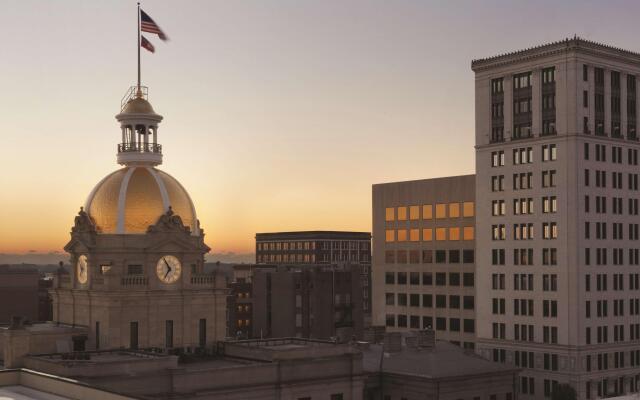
(137, 252)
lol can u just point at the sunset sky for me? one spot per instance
(279, 115)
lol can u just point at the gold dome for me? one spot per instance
(138, 105)
(131, 199)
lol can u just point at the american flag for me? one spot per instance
(148, 25)
(147, 44)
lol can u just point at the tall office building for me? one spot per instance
(423, 257)
(557, 216)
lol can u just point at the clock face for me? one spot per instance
(168, 269)
(82, 269)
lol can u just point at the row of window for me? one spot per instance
(524, 180)
(616, 154)
(413, 321)
(442, 210)
(311, 258)
(524, 307)
(429, 256)
(617, 202)
(633, 282)
(602, 307)
(525, 282)
(429, 278)
(524, 231)
(413, 235)
(525, 256)
(524, 206)
(323, 245)
(524, 155)
(618, 256)
(413, 300)
(616, 178)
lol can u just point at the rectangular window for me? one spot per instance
(133, 335)
(427, 211)
(454, 210)
(202, 332)
(454, 233)
(441, 233)
(390, 214)
(441, 211)
(390, 235)
(168, 334)
(402, 213)
(414, 213)
(468, 233)
(414, 235)
(468, 209)
(427, 234)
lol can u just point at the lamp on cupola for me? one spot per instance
(139, 124)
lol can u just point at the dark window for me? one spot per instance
(441, 279)
(402, 278)
(454, 256)
(468, 302)
(97, 335)
(441, 324)
(454, 324)
(585, 72)
(468, 256)
(389, 278)
(168, 343)
(133, 335)
(454, 279)
(427, 278)
(468, 279)
(402, 321)
(469, 325)
(441, 256)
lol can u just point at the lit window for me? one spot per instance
(427, 211)
(441, 211)
(414, 212)
(454, 233)
(402, 213)
(414, 235)
(468, 209)
(390, 235)
(441, 233)
(427, 234)
(454, 210)
(390, 214)
(402, 235)
(468, 233)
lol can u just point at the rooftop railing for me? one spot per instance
(139, 148)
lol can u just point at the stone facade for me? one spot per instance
(116, 294)
(556, 190)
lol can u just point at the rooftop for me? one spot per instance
(568, 44)
(269, 350)
(445, 360)
(313, 235)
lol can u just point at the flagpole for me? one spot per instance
(139, 93)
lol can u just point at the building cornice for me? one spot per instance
(575, 44)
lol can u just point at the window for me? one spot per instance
(468, 233)
(427, 211)
(454, 233)
(441, 233)
(414, 235)
(549, 178)
(497, 86)
(389, 278)
(402, 213)
(441, 211)
(454, 210)
(390, 235)
(414, 213)
(468, 256)
(497, 158)
(549, 152)
(468, 209)
(585, 72)
(390, 214)
(468, 279)
(427, 234)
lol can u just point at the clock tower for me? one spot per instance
(137, 253)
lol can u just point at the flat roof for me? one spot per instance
(440, 180)
(445, 360)
(307, 235)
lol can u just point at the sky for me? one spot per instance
(278, 114)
